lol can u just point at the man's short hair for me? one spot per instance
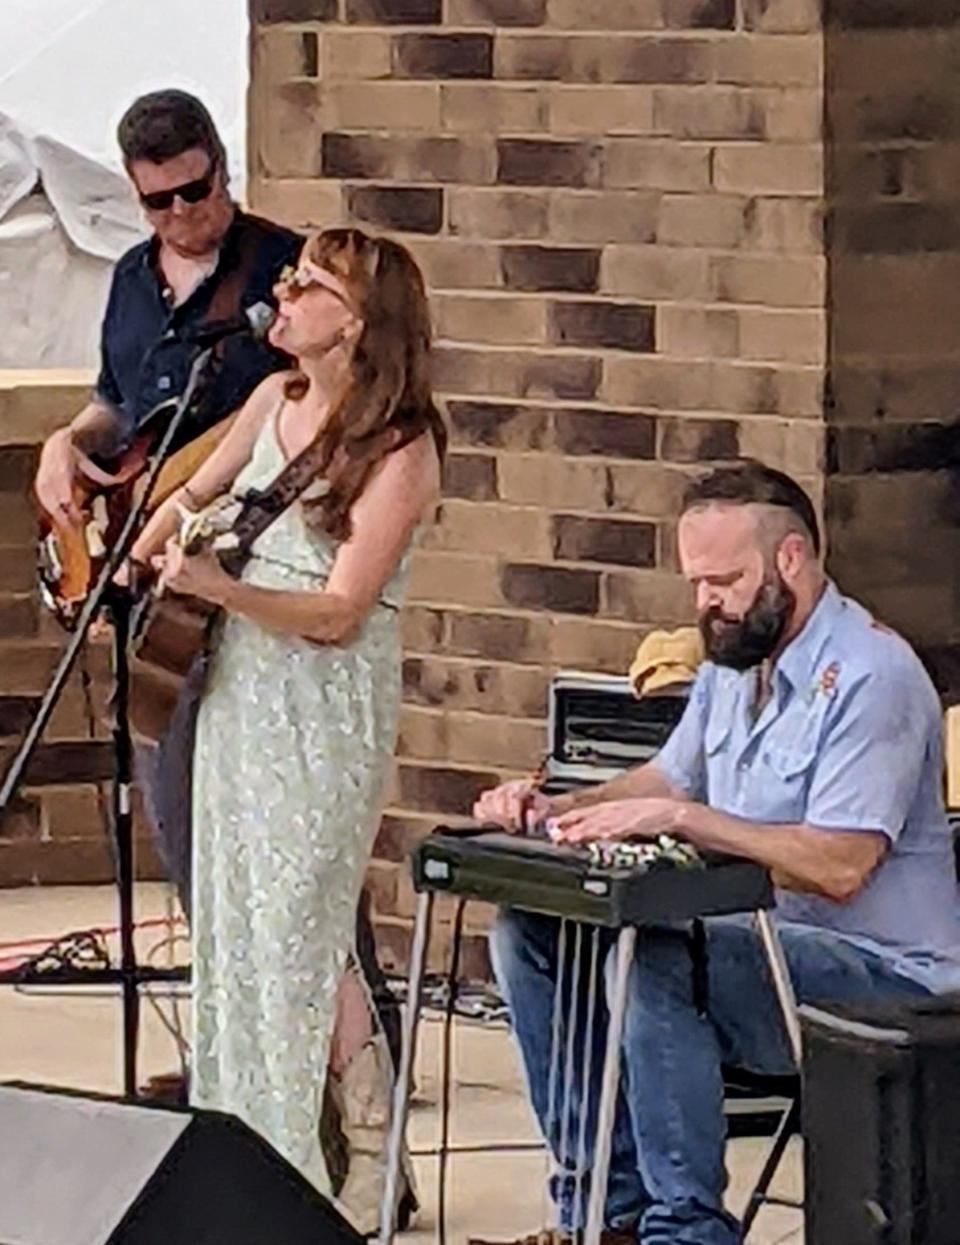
(165, 124)
(749, 482)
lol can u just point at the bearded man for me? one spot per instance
(812, 744)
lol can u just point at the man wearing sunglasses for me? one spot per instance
(206, 260)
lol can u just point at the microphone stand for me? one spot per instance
(118, 603)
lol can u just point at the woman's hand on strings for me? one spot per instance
(616, 819)
(194, 575)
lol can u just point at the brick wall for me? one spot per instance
(618, 205)
(893, 181)
(56, 832)
(620, 209)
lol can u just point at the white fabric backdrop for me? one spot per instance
(68, 70)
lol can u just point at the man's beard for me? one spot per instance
(743, 643)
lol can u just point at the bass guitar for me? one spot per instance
(70, 557)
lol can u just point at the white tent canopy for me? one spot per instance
(68, 70)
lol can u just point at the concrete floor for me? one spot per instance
(73, 1039)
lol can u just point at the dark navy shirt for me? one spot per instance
(144, 360)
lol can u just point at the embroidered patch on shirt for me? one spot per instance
(828, 680)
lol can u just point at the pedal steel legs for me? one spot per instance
(624, 953)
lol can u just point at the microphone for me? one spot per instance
(255, 320)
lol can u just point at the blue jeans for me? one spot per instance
(667, 1171)
(164, 774)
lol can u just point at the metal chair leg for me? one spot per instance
(780, 971)
(785, 1130)
(401, 1091)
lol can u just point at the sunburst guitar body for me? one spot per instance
(71, 558)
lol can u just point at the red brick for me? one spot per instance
(446, 789)
(611, 216)
(701, 14)
(698, 440)
(466, 527)
(19, 617)
(593, 645)
(493, 214)
(18, 568)
(783, 16)
(470, 476)
(649, 490)
(498, 637)
(407, 158)
(534, 268)
(443, 56)
(513, 374)
(484, 687)
(644, 164)
(497, 424)
(454, 578)
(496, 12)
(402, 12)
(65, 762)
(648, 597)
(600, 110)
(20, 820)
(615, 326)
(76, 813)
(547, 162)
(423, 629)
(555, 588)
(398, 835)
(406, 208)
(605, 433)
(653, 272)
(295, 10)
(554, 482)
(702, 220)
(715, 112)
(582, 15)
(503, 321)
(576, 539)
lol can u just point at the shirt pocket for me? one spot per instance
(790, 763)
(787, 767)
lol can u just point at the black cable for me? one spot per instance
(84, 951)
(447, 1054)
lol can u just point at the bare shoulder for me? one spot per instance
(271, 389)
(409, 476)
(413, 465)
(264, 400)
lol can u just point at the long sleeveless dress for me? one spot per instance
(293, 752)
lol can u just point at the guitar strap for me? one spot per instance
(227, 297)
(262, 507)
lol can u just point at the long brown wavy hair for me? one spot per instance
(387, 402)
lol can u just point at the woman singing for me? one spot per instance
(298, 719)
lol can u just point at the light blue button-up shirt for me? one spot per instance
(851, 739)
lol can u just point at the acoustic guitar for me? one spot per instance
(170, 631)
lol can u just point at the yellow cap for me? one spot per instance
(665, 659)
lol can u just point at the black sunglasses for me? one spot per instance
(190, 192)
